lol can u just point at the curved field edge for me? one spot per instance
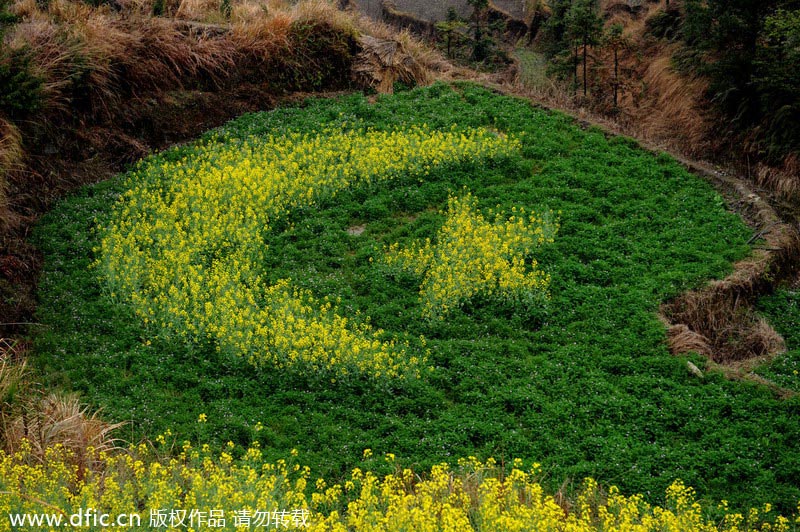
(585, 384)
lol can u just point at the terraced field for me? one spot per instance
(438, 274)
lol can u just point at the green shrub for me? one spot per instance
(664, 24)
(20, 88)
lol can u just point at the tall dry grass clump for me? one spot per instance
(317, 10)
(428, 58)
(38, 421)
(201, 10)
(11, 158)
(675, 106)
(260, 33)
(92, 59)
(13, 375)
(379, 54)
(60, 419)
(712, 322)
(381, 63)
(14, 385)
(784, 179)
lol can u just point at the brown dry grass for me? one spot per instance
(657, 102)
(268, 24)
(45, 420)
(681, 339)
(717, 324)
(260, 38)
(54, 54)
(200, 10)
(784, 180)
(673, 106)
(13, 374)
(12, 155)
(426, 56)
(97, 58)
(114, 54)
(382, 63)
(719, 320)
(323, 10)
(61, 419)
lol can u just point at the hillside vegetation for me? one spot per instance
(397, 308)
(714, 80)
(580, 380)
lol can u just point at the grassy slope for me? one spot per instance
(585, 385)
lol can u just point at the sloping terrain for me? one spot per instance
(581, 382)
(553, 349)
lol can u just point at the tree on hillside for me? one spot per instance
(616, 40)
(777, 80)
(585, 28)
(731, 29)
(536, 16)
(555, 39)
(754, 71)
(481, 42)
(450, 29)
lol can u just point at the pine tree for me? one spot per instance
(616, 41)
(556, 40)
(585, 27)
(20, 90)
(450, 28)
(480, 47)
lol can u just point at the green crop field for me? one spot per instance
(783, 310)
(333, 277)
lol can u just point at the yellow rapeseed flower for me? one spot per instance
(474, 256)
(186, 241)
(475, 496)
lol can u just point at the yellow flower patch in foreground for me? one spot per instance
(474, 256)
(195, 486)
(186, 241)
